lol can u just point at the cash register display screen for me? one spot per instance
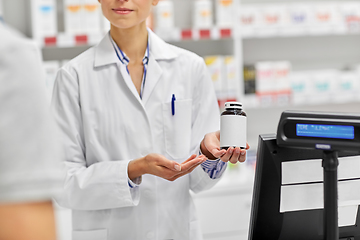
(325, 131)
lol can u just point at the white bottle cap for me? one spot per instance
(233, 105)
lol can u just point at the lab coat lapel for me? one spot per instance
(153, 76)
(159, 51)
(105, 55)
(127, 79)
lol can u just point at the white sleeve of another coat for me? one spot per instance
(102, 185)
(205, 119)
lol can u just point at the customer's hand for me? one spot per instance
(210, 147)
(158, 165)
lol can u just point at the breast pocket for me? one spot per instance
(177, 128)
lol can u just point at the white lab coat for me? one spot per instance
(105, 124)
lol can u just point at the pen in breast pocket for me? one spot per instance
(173, 104)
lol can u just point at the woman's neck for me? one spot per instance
(132, 41)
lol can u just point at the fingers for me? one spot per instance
(228, 153)
(234, 155)
(158, 165)
(166, 169)
(242, 155)
(192, 161)
(189, 159)
(171, 165)
(218, 153)
(187, 171)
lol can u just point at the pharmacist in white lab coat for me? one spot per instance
(134, 111)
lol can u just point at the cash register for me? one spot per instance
(306, 137)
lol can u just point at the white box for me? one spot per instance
(347, 85)
(325, 18)
(323, 86)
(299, 18)
(300, 87)
(74, 17)
(202, 14)
(350, 16)
(265, 78)
(51, 68)
(273, 82)
(43, 19)
(225, 13)
(265, 83)
(215, 65)
(92, 16)
(249, 19)
(282, 70)
(164, 16)
(282, 73)
(273, 18)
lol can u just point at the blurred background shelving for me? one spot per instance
(271, 55)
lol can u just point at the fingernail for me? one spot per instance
(231, 151)
(243, 153)
(177, 167)
(237, 150)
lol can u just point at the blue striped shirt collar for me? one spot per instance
(125, 59)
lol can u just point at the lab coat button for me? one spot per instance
(150, 235)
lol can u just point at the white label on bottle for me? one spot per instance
(233, 131)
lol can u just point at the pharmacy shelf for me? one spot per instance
(294, 32)
(177, 34)
(252, 101)
(203, 42)
(65, 40)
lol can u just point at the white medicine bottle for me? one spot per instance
(233, 126)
